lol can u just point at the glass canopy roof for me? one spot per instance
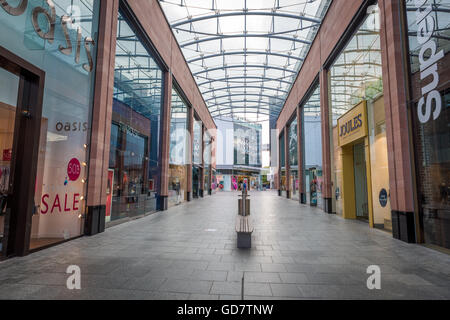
(245, 54)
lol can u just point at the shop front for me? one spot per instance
(353, 142)
(207, 164)
(214, 182)
(312, 148)
(178, 150)
(429, 66)
(282, 176)
(359, 157)
(133, 175)
(197, 153)
(47, 66)
(293, 161)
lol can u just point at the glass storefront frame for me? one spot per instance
(311, 118)
(293, 160)
(67, 55)
(179, 144)
(360, 56)
(133, 174)
(428, 66)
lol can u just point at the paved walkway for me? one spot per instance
(189, 252)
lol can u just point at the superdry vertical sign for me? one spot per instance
(431, 102)
(353, 124)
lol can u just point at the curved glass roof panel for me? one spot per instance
(245, 54)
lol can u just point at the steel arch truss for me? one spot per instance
(257, 75)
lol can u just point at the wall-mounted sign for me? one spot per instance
(430, 104)
(353, 124)
(74, 169)
(46, 23)
(383, 197)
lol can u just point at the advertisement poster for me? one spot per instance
(109, 193)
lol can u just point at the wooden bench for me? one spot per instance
(244, 229)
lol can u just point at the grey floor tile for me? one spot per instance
(189, 252)
(285, 290)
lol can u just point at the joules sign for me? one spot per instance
(353, 124)
(49, 16)
(426, 26)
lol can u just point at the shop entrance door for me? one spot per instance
(9, 90)
(359, 165)
(195, 181)
(21, 91)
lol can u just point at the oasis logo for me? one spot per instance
(48, 32)
(71, 126)
(351, 125)
(426, 25)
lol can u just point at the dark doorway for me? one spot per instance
(20, 116)
(361, 198)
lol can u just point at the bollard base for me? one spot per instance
(244, 240)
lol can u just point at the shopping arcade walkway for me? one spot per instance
(189, 252)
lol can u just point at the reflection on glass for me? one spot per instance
(197, 158)
(312, 149)
(247, 144)
(9, 90)
(356, 76)
(207, 166)
(178, 150)
(69, 77)
(133, 163)
(282, 165)
(431, 131)
(293, 161)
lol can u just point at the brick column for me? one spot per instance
(326, 148)
(165, 142)
(301, 178)
(190, 152)
(401, 182)
(286, 161)
(101, 118)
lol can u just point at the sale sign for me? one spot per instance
(74, 169)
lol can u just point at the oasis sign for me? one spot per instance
(353, 124)
(66, 22)
(426, 26)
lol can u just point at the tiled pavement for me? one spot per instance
(189, 252)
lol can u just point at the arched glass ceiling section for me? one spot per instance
(245, 54)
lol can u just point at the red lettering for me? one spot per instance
(65, 204)
(56, 205)
(45, 203)
(75, 201)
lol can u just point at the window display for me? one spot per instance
(293, 161)
(282, 166)
(429, 46)
(207, 163)
(134, 143)
(178, 150)
(312, 149)
(360, 172)
(66, 50)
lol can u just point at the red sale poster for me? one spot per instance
(7, 154)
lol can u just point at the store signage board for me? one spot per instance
(353, 124)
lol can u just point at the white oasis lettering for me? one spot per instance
(49, 35)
